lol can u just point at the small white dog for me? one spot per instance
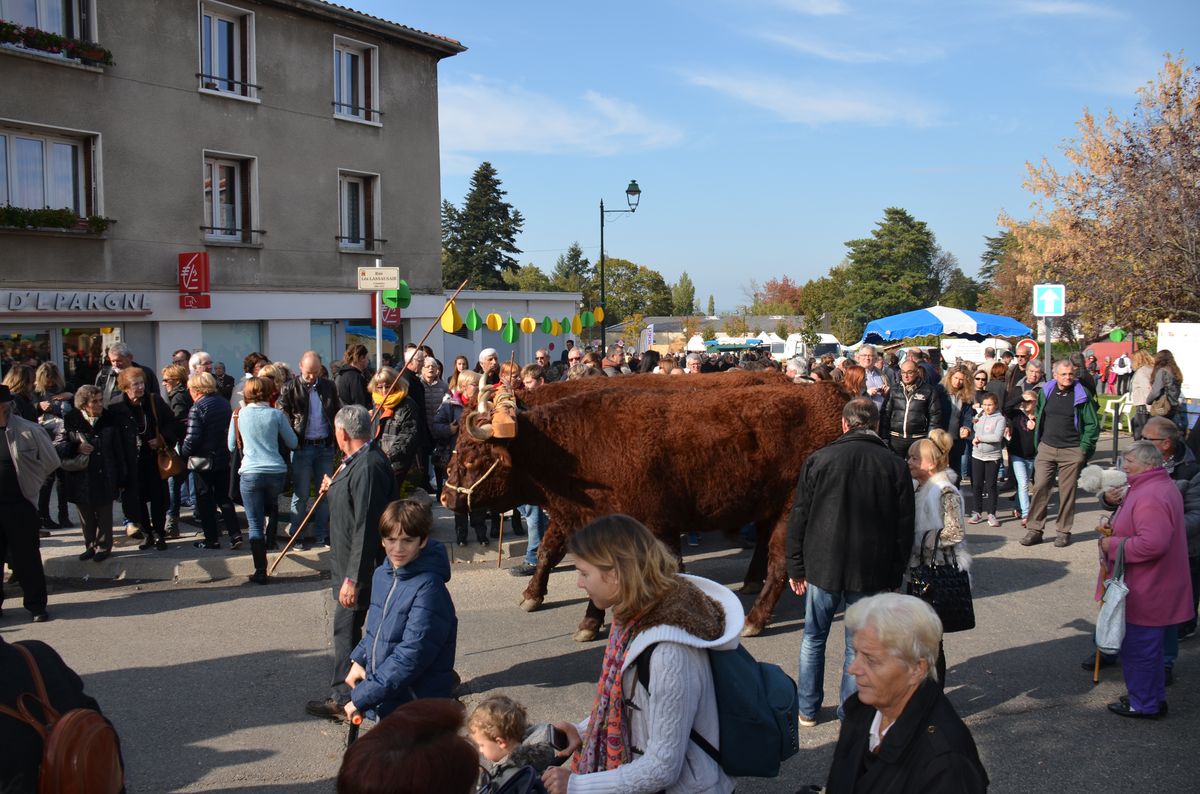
(1095, 479)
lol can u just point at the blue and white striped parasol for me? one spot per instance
(943, 321)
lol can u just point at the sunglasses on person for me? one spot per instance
(982, 379)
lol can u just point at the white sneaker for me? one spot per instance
(975, 518)
(808, 722)
(993, 521)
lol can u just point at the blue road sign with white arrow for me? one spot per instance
(1049, 300)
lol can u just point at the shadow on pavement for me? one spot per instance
(992, 576)
(582, 666)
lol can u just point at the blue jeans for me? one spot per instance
(1023, 469)
(819, 608)
(535, 527)
(310, 464)
(260, 489)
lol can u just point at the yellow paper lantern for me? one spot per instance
(494, 322)
(451, 319)
(576, 325)
(555, 328)
(528, 325)
(598, 313)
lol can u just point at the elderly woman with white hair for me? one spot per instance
(900, 735)
(1149, 525)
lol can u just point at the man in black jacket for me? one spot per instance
(358, 495)
(413, 361)
(849, 536)
(911, 410)
(310, 402)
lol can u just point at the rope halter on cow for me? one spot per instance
(468, 491)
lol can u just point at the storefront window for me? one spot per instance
(30, 347)
(321, 340)
(84, 353)
(230, 342)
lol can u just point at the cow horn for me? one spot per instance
(485, 399)
(480, 432)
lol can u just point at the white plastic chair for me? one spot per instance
(1120, 410)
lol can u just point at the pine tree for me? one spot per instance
(479, 240)
(683, 296)
(712, 306)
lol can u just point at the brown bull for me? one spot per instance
(714, 452)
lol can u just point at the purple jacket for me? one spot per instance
(1156, 558)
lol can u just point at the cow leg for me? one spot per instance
(757, 570)
(774, 584)
(590, 626)
(551, 550)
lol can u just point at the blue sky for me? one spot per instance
(766, 133)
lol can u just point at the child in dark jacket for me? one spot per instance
(407, 649)
(499, 728)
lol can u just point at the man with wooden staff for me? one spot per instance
(357, 494)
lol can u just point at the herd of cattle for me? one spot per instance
(707, 454)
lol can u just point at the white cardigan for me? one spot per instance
(661, 724)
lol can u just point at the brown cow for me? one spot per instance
(732, 456)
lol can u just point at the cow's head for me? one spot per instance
(480, 467)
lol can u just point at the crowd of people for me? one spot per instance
(869, 509)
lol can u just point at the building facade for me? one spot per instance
(283, 143)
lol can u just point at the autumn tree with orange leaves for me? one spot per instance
(1121, 227)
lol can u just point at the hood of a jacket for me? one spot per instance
(432, 559)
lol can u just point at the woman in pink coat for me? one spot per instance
(1150, 522)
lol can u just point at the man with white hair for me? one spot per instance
(489, 367)
(694, 362)
(200, 361)
(797, 369)
(119, 358)
(357, 498)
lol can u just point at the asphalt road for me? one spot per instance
(206, 683)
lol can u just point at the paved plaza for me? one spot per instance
(206, 680)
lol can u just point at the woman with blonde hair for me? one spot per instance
(52, 402)
(940, 523)
(205, 448)
(174, 381)
(395, 420)
(637, 737)
(959, 409)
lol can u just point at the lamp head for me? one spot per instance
(633, 194)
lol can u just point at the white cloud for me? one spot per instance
(835, 52)
(1063, 8)
(482, 115)
(803, 103)
(815, 8)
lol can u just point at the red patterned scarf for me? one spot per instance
(606, 744)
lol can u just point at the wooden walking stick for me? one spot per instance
(374, 415)
(1096, 669)
(298, 531)
(500, 544)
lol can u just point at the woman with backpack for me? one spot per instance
(642, 738)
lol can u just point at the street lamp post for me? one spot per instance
(633, 195)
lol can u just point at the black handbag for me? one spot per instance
(945, 587)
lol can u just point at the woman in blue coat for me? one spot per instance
(407, 650)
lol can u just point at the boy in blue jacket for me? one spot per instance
(407, 650)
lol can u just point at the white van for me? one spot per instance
(794, 346)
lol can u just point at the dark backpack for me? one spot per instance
(80, 750)
(757, 712)
(526, 780)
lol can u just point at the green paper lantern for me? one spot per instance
(547, 325)
(1116, 335)
(398, 298)
(511, 333)
(566, 325)
(474, 321)
(587, 319)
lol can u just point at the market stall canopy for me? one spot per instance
(942, 321)
(696, 344)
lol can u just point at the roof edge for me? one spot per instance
(442, 46)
